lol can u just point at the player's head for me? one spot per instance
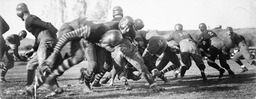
(229, 30)
(21, 9)
(138, 24)
(22, 34)
(202, 27)
(178, 27)
(117, 12)
(125, 24)
(111, 38)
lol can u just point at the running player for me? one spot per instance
(213, 46)
(45, 39)
(13, 43)
(239, 41)
(188, 50)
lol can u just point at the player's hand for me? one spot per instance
(156, 88)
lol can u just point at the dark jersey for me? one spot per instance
(4, 27)
(96, 29)
(35, 25)
(177, 36)
(236, 39)
(88, 30)
(205, 37)
(13, 39)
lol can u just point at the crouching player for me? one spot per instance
(12, 42)
(188, 50)
(83, 38)
(211, 43)
(128, 52)
(153, 48)
(4, 27)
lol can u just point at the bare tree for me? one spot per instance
(61, 11)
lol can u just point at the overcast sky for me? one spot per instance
(159, 14)
(164, 14)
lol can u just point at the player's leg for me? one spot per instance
(8, 63)
(224, 64)
(77, 56)
(168, 56)
(200, 64)
(244, 51)
(91, 58)
(31, 68)
(186, 59)
(137, 61)
(119, 67)
(174, 58)
(213, 51)
(102, 65)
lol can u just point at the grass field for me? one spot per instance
(243, 86)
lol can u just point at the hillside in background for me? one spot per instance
(248, 33)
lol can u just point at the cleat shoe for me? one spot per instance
(244, 69)
(96, 84)
(126, 84)
(166, 81)
(104, 81)
(175, 75)
(88, 85)
(183, 70)
(231, 73)
(30, 91)
(222, 71)
(155, 72)
(163, 78)
(55, 92)
(203, 76)
(133, 77)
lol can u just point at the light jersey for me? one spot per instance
(177, 36)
